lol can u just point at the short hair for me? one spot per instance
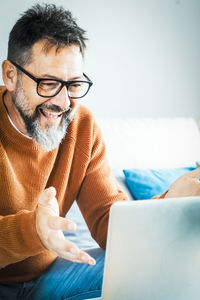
(47, 22)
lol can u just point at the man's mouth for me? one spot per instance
(50, 114)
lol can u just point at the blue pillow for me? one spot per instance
(144, 184)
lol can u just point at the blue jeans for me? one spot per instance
(63, 280)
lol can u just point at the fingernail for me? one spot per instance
(92, 262)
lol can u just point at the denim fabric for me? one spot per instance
(63, 280)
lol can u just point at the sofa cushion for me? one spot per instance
(119, 175)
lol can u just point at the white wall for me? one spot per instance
(143, 55)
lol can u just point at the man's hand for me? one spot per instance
(186, 185)
(49, 227)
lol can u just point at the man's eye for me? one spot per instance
(75, 85)
(49, 84)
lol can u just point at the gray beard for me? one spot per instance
(51, 136)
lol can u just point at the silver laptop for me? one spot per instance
(153, 250)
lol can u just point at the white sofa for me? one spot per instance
(144, 144)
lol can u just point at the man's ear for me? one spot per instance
(9, 75)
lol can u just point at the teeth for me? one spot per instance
(50, 114)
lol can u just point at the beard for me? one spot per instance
(51, 136)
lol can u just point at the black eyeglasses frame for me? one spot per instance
(63, 83)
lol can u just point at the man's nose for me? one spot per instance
(62, 99)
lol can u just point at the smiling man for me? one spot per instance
(33, 113)
(52, 154)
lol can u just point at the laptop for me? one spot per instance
(153, 250)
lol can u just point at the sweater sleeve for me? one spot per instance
(99, 190)
(18, 237)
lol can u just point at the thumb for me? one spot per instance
(47, 195)
(48, 201)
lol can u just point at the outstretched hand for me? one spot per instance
(186, 185)
(49, 226)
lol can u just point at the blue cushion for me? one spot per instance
(144, 184)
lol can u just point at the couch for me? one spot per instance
(142, 144)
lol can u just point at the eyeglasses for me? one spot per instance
(48, 87)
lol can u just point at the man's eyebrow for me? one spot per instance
(57, 78)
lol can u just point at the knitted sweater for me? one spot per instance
(78, 169)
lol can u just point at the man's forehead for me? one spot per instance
(45, 47)
(57, 62)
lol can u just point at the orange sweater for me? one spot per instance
(78, 169)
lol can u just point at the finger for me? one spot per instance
(47, 194)
(82, 257)
(58, 242)
(69, 250)
(71, 257)
(86, 258)
(50, 192)
(59, 223)
(49, 207)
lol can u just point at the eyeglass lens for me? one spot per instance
(49, 88)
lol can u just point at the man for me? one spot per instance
(47, 162)
(51, 154)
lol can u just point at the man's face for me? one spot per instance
(46, 119)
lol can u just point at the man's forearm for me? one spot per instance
(18, 237)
